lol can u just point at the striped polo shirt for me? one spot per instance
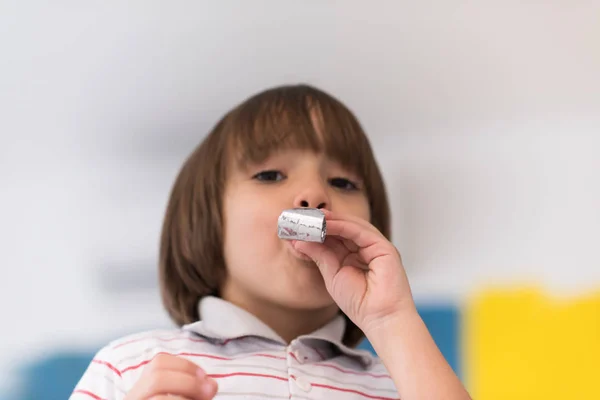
(246, 358)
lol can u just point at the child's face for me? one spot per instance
(261, 267)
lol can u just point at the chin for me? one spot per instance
(308, 298)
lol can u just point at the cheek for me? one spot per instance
(250, 227)
(365, 210)
(250, 217)
(358, 207)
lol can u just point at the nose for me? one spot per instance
(312, 195)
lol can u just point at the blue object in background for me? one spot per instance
(54, 377)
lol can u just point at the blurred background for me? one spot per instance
(485, 117)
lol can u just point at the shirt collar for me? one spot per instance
(222, 320)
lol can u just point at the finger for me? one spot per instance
(171, 362)
(209, 388)
(337, 245)
(324, 256)
(371, 245)
(342, 254)
(353, 232)
(167, 382)
(341, 249)
(350, 245)
(355, 260)
(334, 216)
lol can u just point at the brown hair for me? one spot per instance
(191, 262)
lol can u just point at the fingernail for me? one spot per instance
(200, 373)
(209, 386)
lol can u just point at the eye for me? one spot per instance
(343, 183)
(269, 176)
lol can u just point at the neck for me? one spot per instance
(287, 322)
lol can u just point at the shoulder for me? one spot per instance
(142, 346)
(146, 338)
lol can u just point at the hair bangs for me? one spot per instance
(272, 121)
(342, 136)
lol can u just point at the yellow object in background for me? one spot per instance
(523, 344)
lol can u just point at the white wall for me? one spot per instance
(485, 119)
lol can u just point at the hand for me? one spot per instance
(170, 377)
(362, 271)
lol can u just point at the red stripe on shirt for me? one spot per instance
(224, 342)
(267, 356)
(248, 374)
(320, 354)
(130, 368)
(230, 358)
(294, 356)
(109, 365)
(135, 366)
(90, 394)
(202, 355)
